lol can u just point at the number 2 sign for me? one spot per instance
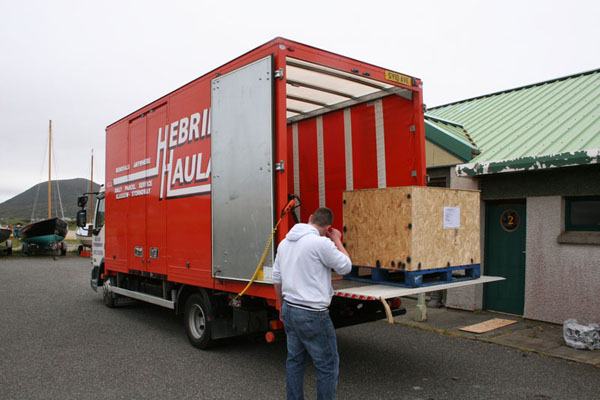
(510, 220)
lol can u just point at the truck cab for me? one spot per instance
(98, 251)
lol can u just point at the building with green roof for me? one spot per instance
(536, 159)
(447, 144)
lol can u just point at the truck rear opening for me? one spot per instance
(196, 180)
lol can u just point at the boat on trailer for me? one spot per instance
(4, 237)
(84, 235)
(4, 234)
(45, 234)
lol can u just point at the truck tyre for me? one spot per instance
(25, 249)
(109, 298)
(197, 323)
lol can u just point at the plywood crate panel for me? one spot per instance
(403, 227)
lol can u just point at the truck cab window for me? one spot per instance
(99, 220)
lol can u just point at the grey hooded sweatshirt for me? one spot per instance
(303, 267)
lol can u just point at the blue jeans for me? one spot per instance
(310, 332)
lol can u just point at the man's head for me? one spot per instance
(321, 219)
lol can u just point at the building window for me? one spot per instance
(582, 213)
(437, 181)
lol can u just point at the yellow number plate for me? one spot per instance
(394, 77)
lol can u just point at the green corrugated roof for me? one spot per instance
(450, 136)
(451, 127)
(530, 126)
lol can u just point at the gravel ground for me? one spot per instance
(60, 342)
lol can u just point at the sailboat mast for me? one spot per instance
(50, 172)
(92, 190)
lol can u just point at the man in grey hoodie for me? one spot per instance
(302, 280)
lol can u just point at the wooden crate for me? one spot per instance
(405, 228)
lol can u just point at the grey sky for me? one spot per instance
(85, 64)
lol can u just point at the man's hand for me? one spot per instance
(279, 295)
(334, 235)
(336, 238)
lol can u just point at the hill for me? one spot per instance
(21, 206)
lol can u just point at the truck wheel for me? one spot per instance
(109, 298)
(25, 249)
(197, 323)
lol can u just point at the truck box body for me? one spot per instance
(196, 180)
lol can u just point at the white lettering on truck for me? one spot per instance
(141, 163)
(184, 175)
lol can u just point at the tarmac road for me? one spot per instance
(58, 341)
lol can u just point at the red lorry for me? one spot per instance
(196, 181)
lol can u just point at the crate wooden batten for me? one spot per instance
(402, 228)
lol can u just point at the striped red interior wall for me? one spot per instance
(369, 145)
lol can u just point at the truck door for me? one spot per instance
(156, 219)
(242, 169)
(136, 226)
(146, 231)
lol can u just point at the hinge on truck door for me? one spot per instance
(278, 73)
(280, 166)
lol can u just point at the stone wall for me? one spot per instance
(562, 280)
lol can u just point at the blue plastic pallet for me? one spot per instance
(414, 279)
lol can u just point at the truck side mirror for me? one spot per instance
(81, 218)
(82, 201)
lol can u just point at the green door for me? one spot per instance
(505, 256)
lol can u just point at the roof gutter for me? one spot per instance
(532, 163)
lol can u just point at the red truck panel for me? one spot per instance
(309, 179)
(334, 164)
(363, 140)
